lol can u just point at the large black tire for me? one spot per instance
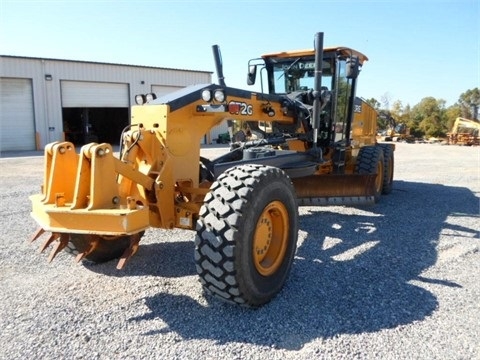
(106, 250)
(206, 170)
(388, 169)
(370, 161)
(247, 234)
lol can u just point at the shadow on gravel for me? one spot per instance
(351, 275)
(173, 259)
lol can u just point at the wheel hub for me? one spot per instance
(264, 237)
(270, 238)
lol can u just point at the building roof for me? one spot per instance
(103, 63)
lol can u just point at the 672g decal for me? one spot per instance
(240, 108)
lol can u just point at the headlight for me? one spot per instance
(219, 95)
(150, 97)
(206, 95)
(140, 99)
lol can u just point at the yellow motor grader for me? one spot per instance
(315, 146)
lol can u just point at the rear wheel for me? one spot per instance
(246, 235)
(370, 161)
(389, 164)
(107, 247)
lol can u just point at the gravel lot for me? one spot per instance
(398, 280)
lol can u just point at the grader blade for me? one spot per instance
(335, 189)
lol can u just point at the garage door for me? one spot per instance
(160, 90)
(85, 94)
(17, 124)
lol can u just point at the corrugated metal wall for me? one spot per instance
(46, 76)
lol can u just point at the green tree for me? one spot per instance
(451, 114)
(373, 103)
(400, 113)
(429, 118)
(469, 100)
(381, 119)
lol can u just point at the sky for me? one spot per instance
(416, 48)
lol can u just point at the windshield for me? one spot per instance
(296, 74)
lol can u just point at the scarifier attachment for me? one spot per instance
(39, 232)
(59, 246)
(81, 195)
(130, 251)
(92, 245)
(50, 240)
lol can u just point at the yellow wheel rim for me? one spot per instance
(379, 178)
(270, 238)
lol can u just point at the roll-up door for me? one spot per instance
(86, 94)
(17, 124)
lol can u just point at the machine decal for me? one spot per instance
(357, 105)
(245, 109)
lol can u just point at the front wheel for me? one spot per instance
(370, 161)
(247, 234)
(106, 247)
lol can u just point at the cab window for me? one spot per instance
(298, 75)
(343, 89)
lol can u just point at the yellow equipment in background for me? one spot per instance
(314, 144)
(464, 132)
(395, 132)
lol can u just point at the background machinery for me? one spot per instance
(464, 132)
(394, 131)
(314, 144)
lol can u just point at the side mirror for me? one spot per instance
(353, 67)
(252, 74)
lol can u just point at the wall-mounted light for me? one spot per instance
(142, 82)
(48, 77)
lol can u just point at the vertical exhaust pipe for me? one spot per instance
(317, 86)
(217, 56)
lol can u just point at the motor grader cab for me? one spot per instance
(310, 150)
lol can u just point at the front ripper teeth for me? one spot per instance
(47, 242)
(129, 252)
(39, 232)
(90, 248)
(59, 246)
(61, 241)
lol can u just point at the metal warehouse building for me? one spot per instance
(46, 100)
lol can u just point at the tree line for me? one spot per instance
(430, 117)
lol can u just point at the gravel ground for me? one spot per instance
(398, 280)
